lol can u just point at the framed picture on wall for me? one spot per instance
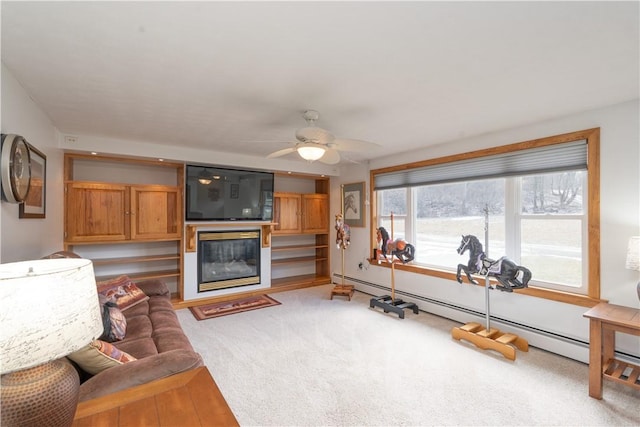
(34, 205)
(353, 209)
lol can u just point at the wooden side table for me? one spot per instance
(604, 321)
(190, 398)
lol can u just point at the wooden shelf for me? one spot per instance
(136, 259)
(296, 247)
(283, 261)
(120, 242)
(622, 372)
(306, 279)
(146, 275)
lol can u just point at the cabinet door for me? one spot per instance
(155, 212)
(287, 213)
(96, 212)
(315, 209)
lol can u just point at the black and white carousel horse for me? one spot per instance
(504, 270)
(399, 248)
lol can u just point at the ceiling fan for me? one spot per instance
(314, 143)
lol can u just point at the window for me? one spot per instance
(537, 194)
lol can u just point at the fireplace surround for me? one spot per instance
(228, 259)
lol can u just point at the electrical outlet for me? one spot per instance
(70, 139)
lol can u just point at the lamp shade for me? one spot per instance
(311, 151)
(633, 253)
(48, 309)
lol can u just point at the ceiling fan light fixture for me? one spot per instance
(204, 178)
(311, 152)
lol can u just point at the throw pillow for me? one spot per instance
(122, 291)
(98, 356)
(113, 321)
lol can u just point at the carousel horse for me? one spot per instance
(399, 248)
(343, 237)
(504, 270)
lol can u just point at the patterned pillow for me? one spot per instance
(122, 291)
(113, 321)
(98, 356)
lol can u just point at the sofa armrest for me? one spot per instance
(139, 372)
(154, 287)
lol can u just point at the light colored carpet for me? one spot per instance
(312, 361)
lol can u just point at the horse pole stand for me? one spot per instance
(487, 338)
(390, 303)
(342, 289)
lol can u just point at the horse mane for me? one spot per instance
(474, 243)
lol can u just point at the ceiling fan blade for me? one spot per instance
(281, 152)
(354, 144)
(314, 134)
(330, 157)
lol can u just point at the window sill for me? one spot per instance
(553, 295)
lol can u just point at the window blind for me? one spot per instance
(547, 159)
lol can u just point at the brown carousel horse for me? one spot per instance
(343, 236)
(399, 248)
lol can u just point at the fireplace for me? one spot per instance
(228, 259)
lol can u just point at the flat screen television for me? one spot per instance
(219, 194)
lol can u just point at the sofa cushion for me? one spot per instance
(113, 322)
(98, 355)
(139, 372)
(139, 347)
(122, 291)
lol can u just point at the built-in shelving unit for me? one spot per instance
(126, 215)
(300, 238)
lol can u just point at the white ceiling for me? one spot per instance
(236, 76)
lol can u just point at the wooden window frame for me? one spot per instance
(592, 136)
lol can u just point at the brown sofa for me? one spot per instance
(154, 337)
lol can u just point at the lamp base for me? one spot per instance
(43, 395)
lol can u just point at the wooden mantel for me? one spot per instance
(193, 228)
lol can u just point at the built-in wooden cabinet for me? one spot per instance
(315, 213)
(300, 213)
(300, 239)
(99, 212)
(132, 228)
(287, 213)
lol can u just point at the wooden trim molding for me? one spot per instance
(190, 244)
(550, 294)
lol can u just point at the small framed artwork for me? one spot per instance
(235, 191)
(34, 204)
(353, 196)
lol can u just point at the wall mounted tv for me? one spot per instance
(219, 194)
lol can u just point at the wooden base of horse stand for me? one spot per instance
(396, 306)
(342, 291)
(490, 340)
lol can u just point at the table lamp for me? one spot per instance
(48, 309)
(633, 257)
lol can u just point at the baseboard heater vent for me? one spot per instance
(522, 326)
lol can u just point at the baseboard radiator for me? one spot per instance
(550, 341)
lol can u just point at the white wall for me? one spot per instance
(22, 239)
(620, 219)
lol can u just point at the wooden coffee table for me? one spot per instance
(190, 398)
